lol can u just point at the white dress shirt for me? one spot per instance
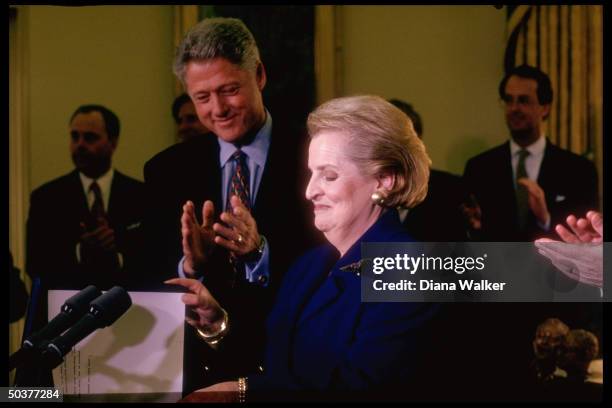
(104, 182)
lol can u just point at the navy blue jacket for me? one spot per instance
(322, 337)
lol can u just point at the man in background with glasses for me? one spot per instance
(522, 189)
(527, 185)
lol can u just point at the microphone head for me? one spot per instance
(110, 306)
(71, 311)
(79, 303)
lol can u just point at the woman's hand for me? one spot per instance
(228, 386)
(207, 314)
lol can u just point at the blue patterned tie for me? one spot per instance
(239, 183)
(239, 186)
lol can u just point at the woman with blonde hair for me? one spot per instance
(365, 161)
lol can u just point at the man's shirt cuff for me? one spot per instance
(181, 271)
(259, 272)
(546, 226)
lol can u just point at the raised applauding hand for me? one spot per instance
(238, 233)
(580, 255)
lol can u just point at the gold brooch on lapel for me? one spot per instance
(355, 267)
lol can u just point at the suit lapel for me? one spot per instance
(279, 177)
(508, 189)
(546, 168)
(387, 228)
(507, 173)
(204, 178)
(212, 169)
(116, 192)
(76, 190)
(264, 195)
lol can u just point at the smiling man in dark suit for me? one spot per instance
(238, 246)
(527, 185)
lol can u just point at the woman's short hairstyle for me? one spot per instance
(217, 37)
(382, 141)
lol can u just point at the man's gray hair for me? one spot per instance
(217, 37)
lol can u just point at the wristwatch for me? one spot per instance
(256, 254)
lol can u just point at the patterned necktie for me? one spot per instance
(522, 196)
(239, 186)
(97, 208)
(239, 183)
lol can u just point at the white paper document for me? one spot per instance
(139, 357)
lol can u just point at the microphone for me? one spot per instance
(71, 311)
(103, 312)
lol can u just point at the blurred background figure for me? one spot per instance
(522, 185)
(584, 380)
(579, 349)
(438, 218)
(83, 227)
(186, 118)
(549, 338)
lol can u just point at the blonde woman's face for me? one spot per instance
(339, 190)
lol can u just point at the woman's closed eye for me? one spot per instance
(329, 176)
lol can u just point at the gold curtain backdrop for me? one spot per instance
(566, 42)
(185, 17)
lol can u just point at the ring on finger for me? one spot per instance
(240, 239)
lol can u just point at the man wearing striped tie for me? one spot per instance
(83, 228)
(228, 209)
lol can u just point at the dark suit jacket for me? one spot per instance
(56, 210)
(568, 180)
(489, 176)
(53, 229)
(438, 218)
(191, 171)
(322, 337)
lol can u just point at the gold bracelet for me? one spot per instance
(242, 389)
(214, 338)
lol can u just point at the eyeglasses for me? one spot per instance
(521, 100)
